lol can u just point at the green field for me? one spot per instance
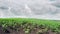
(54, 25)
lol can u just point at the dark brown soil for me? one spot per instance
(21, 31)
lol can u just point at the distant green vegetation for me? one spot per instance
(13, 22)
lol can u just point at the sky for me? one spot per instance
(47, 9)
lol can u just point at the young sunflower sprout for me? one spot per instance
(29, 16)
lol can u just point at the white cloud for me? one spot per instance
(46, 8)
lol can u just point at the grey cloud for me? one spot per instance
(30, 8)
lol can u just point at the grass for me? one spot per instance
(13, 22)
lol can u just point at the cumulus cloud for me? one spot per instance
(30, 8)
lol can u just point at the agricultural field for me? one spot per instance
(29, 26)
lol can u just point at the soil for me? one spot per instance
(21, 31)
